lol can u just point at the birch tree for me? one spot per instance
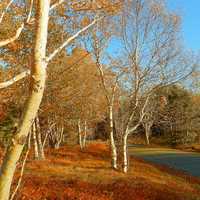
(109, 83)
(37, 85)
(150, 36)
(82, 133)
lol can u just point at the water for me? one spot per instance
(188, 162)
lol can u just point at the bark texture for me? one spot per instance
(112, 140)
(38, 77)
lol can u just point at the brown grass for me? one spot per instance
(69, 174)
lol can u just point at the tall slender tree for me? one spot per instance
(37, 85)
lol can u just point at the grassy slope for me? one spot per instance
(69, 174)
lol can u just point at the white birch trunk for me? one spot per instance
(112, 140)
(59, 136)
(38, 75)
(125, 154)
(79, 134)
(35, 141)
(147, 133)
(29, 139)
(85, 134)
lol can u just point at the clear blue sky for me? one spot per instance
(190, 11)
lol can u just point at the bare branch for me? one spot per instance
(70, 39)
(19, 30)
(30, 11)
(14, 79)
(130, 130)
(13, 38)
(4, 12)
(103, 81)
(47, 134)
(56, 4)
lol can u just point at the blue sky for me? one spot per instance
(190, 12)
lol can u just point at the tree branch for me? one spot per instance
(130, 130)
(14, 79)
(102, 77)
(56, 4)
(70, 39)
(19, 30)
(30, 11)
(4, 12)
(13, 38)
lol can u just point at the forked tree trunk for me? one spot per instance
(112, 140)
(38, 76)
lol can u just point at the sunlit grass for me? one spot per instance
(69, 173)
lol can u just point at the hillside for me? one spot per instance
(69, 174)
